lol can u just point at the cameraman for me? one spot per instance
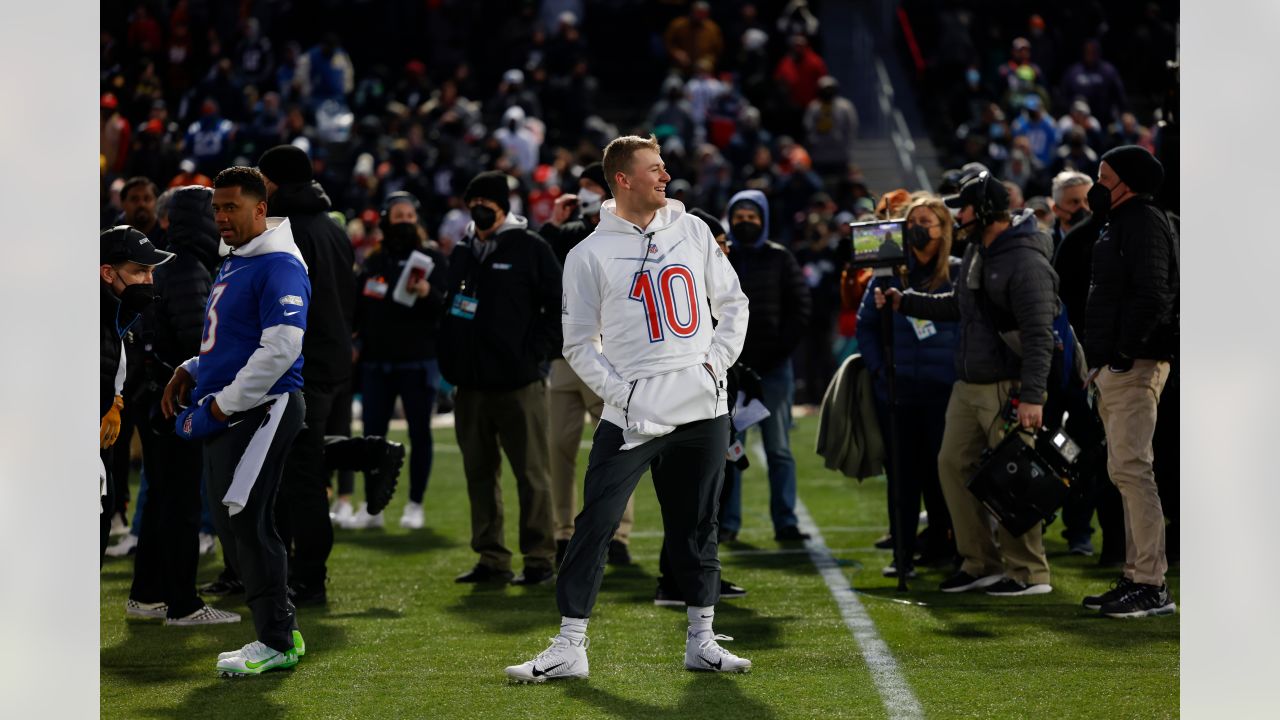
(1132, 321)
(1005, 297)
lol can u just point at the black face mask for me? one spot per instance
(484, 217)
(747, 233)
(1078, 217)
(135, 298)
(401, 239)
(1099, 199)
(918, 237)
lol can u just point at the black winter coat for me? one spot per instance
(516, 327)
(1008, 285)
(1133, 299)
(326, 347)
(780, 303)
(175, 322)
(110, 348)
(1073, 261)
(387, 331)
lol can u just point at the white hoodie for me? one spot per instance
(637, 312)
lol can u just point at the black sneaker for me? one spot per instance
(222, 587)
(307, 594)
(1008, 587)
(790, 533)
(562, 546)
(668, 597)
(885, 542)
(964, 582)
(1080, 546)
(484, 574)
(1141, 600)
(1118, 588)
(536, 576)
(729, 591)
(727, 536)
(619, 554)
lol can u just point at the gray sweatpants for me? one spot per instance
(688, 470)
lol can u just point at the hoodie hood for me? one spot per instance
(663, 219)
(1023, 232)
(513, 222)
(278, 238)
(298, 199)
(191, 224)
(752, 196)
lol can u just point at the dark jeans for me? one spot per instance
(249, 537)
(779, 386)
(339, 423)
(168, 539)
(688, 468)
(920, 427)
(1085, 428)
(302, 515)
(415, 384)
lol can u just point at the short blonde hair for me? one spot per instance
(618, 154)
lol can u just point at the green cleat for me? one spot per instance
(255, 659)
(299, 645)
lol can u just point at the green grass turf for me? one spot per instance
(400, 640)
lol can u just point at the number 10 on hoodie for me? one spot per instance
(660, 301)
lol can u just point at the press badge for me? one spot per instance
(735, 451)
(375, 287)
(924, 328)
(464, 306)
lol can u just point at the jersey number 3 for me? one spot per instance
(211, 332)
(662, 301)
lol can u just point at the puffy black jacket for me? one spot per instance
(110, 349)
(326, 347)
(780, 303)
(1073, 261)
(516, 327)
(175, 322)
(1008, 285)
(1132, 310)
(388, 331)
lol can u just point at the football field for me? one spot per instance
(399, 639)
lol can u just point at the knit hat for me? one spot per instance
(1136, 167)
(595, 173)
(491, 185)
(716, 228)
(285, 165)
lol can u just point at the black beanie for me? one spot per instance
(491, 185)
(285, 165)
(1136, 167)
(595, 173)
(716, 228)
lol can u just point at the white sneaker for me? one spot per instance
(117, 525)
(413, 516)
(126, 545)
(341, 512)
(207, 615)
(563, 659)
(362, 520)
(255, 659)
(207, 544)
(708, 655)
(152, 611)
(299, 646)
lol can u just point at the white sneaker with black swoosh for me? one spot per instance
(563, 659)
(702, 652)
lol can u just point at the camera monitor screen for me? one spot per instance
(878, 243)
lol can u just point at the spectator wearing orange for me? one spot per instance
(694, 37)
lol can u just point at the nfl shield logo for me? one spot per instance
(652, 248)
(186, 426)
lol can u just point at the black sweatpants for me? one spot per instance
(688, 469)
(250, 535)
(168, 541)
(302, 514)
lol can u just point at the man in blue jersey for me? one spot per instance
(247, 406)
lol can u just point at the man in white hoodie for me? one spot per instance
(242, 395)
(640, 294)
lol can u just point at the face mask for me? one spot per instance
(1078, 217)
(484, 217)
(589, 202)
(747, 233)
(401, 238)
(918, 237)
(135, 298)
(1099, 199)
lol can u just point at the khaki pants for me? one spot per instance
(1127, 403)
(518, 420)
(973, 425)
(570, 401)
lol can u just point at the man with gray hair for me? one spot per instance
(1070, 202)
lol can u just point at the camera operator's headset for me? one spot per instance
(384, 220)
(983, 211)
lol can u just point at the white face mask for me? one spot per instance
(589, 201)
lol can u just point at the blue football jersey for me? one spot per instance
(249, 295)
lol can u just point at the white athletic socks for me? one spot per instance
(574, 629)
(700, 619)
